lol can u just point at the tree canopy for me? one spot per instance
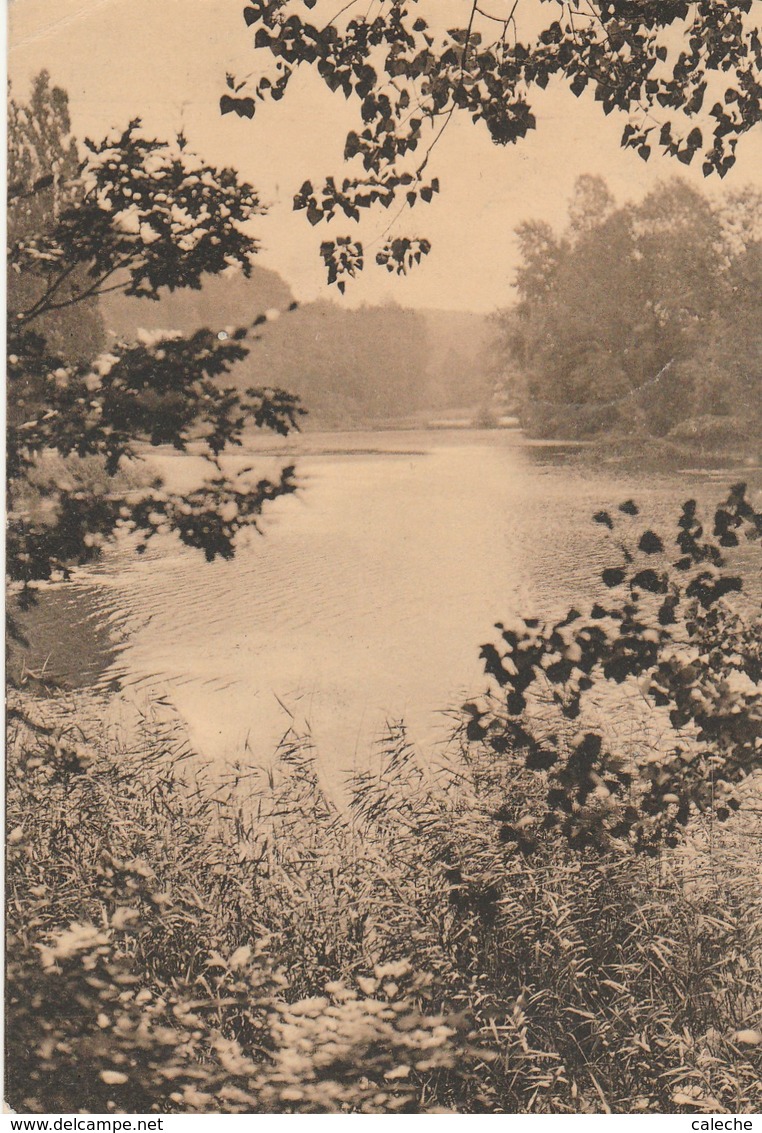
(43, 169)
(135, 215)
(686, 76)
(639, 317)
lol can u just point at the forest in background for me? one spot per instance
(637, 319)
(363, 366)
(642, 318)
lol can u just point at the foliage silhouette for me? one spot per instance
(410, 75)
(134, 215)
(670, 633)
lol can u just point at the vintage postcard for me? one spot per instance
(384, 515)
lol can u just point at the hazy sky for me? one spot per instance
(165, 61)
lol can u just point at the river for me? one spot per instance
(367, 596)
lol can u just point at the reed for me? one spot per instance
(177, 943)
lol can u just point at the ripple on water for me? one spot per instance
(369, 595)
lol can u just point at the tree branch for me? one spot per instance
(40, 306)
(89, 293)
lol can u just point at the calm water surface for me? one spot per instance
(369, 594)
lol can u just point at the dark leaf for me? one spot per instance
(650, 543)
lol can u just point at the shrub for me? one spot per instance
(677, 633)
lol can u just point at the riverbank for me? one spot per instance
(680, 453)
(178, 946)
(704, 443)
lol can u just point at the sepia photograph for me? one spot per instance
(384, 559)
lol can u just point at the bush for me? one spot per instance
(675, 632)
(714, 432)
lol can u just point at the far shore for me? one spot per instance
(610, 448)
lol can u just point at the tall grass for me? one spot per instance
(181, 944)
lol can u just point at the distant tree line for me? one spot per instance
(350, 364)
(644, 318)
(353, 367)
(376, 363)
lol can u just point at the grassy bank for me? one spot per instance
(178, 945)
(707, 442)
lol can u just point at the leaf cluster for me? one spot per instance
(654, 63)
(671, 634)
(138, 216)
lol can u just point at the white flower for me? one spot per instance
(188, 242)
(740, 684)
(155, 162)
(181, 217)
(394, 970)
(152, 337)
(113, 1077)
(240, 957)
(123, 916)
(105, 363)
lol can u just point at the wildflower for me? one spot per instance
(128, 221)
(394, 970)
(122, 917)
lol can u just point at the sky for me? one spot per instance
(165, 61)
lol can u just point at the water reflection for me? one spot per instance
(370, 594)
